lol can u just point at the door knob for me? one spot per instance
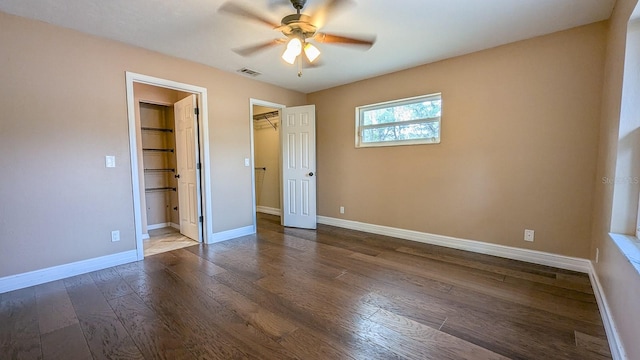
(177, 176)
(311, 174)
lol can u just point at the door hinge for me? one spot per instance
(198, 166)
(201, 218)
(196, 111)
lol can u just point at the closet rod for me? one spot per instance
(268, 114)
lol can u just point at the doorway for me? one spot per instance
(163, 227)
(265, 143)
(266, 137)
(161, 177)
(296, 160)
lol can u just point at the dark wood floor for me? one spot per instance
(325, 294)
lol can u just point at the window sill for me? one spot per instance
(630, 247)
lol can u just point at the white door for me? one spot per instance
(298, 126)
(187, 169)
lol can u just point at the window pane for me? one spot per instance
(402, 132)
(405, 112)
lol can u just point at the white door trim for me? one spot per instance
(133, 146)
(280, 107)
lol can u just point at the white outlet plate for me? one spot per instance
(246, 162)
(528, 235)
(115, 235)
(341, 209)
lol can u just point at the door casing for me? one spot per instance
(203, 140)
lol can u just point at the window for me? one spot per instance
(400, 122)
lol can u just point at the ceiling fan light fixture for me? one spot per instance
(311, 52)
(289, 56)
(294, 48)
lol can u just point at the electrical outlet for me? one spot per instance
(341, 209)
(115, 235)
(597, 254)
(528, 235)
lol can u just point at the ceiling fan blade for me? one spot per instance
(275, 4)
(328, 9)
(235, 9)
(253, 49)
(336, 39)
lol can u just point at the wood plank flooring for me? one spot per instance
(301, 294)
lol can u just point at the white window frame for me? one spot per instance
(412, 100)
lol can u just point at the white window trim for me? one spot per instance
(381, 105)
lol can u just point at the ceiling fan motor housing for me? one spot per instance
(298, 25)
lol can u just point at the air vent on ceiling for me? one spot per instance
(249, 72)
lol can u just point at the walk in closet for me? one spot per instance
(159, 161)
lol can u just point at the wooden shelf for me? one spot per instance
(160, 189)
(157, 129)
(159, 170)
(158, 150)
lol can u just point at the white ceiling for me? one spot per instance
(409, 32)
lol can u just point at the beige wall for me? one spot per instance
(266, 141)
(620, 281)
(64, 108)
(519, 135)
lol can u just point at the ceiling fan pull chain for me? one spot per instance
(300, 65)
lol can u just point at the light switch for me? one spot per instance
(246, 162)
(110, 161)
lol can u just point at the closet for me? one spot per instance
(159, 162)
(266, 140)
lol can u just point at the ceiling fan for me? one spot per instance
(298, 30)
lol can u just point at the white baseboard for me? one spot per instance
(158, 226)
(175, 226)
(268, 210)
(231, 234)
(615, 344)
(37, 277)
(532, 256)
(145, 236)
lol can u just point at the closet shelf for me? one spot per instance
(158, 150)
(160, 189)
(159, 170)
(157, 129)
